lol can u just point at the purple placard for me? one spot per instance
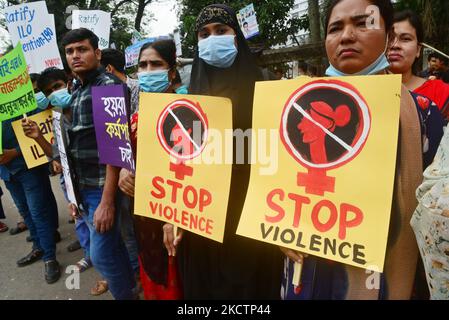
(110, 111)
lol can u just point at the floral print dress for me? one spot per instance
(430, 222)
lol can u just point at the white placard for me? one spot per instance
(248, 21)
(34, 27)
(64, 160)
(98, 21)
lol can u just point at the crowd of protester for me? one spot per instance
(132, 252)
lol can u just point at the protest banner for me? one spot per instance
(332, 192)
(110, 111)
(174, 182)
(136, 36)
(31, 151)
(178, 42)
(58, 134)
(1, 139)
(132, 52)
(98, 21)
(247, 19)
(16, 89)
(34, 27)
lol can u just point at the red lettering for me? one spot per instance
(202, 223)
(274, 206)
(193, 222)
(153, 207)
(157, 183)
(324, 227)
(184, 218)
(190, 205)
(299, 200)
(175, 217)
(344, 223)
(168, 213)
(52, 62)
(209, 226)
(190, 196)
(175, 186)
(205, 199)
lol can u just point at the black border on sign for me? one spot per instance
(198, 111)
(325, 84)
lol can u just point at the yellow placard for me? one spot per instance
(31, 151)
(181, 177)
(331, 192)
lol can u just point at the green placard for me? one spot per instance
(1, 138)
(16, 89)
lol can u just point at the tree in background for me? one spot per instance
(275, 25)
(314, 20)
(125, 15)
(434, 14)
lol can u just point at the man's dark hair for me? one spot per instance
(77, 35)
(34, 77)
(51, 75)
(414, 20)
(114, 58)
(442, 58)
(165, 48)
(438, 56)
(431, 56)
(385, 8)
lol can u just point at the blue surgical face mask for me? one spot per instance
(182, 90)
(61, 98)
(218, 51)
(377, 66)
(154, 81)
(42, 101)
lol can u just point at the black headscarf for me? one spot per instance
(240, 268)
(236, 82)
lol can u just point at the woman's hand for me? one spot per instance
(296, 256)
(170, 240)
(127, 182)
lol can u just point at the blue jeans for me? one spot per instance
(34, 198)
(126, 222)
(83, 234)
(107, 250)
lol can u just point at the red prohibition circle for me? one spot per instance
(359, 140)
(196, 109)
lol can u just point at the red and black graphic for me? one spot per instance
(325, 125)
(182, 130)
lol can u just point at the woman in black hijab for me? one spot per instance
(240, 268)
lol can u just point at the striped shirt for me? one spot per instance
(89, 173)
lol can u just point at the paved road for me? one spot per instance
(28, 282)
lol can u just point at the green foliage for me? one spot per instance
(272, 15)
(123, 13)
(435, 20)
(121, 25)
